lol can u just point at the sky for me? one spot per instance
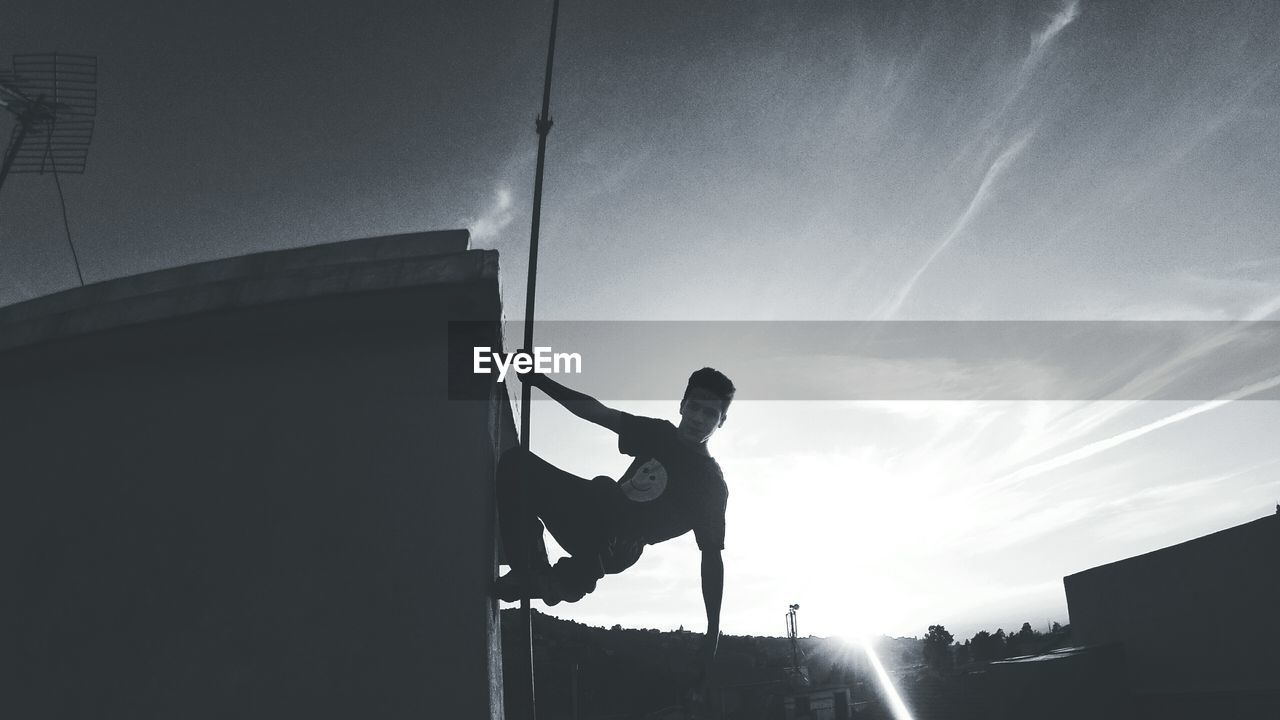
(772, 161)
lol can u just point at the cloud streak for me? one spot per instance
(1151, 382)
(990, 129)
(996, 169)
(1098, 446)
(1039, 45)
(1069, 12)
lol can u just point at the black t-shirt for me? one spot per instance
(670, 487)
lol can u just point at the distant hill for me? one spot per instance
(632, 673)
(627, 671)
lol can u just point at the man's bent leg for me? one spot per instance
(577, 575)
(593, 544)
(563, 501)
(520, 528)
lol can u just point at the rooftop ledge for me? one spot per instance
(349, 266)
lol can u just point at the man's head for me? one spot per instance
(705, 404)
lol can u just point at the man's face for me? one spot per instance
(700, 415)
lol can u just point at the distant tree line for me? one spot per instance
(940, 652)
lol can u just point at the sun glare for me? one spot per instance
(894, 700)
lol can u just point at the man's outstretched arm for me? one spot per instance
(712, 594)
(580, 404)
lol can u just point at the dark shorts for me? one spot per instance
(588, 518)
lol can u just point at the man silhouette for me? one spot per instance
(671, 487)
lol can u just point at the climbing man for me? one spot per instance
(671, 487)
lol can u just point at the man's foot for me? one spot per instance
(546, 588)
(507, 587)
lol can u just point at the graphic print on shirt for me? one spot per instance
(647, 483)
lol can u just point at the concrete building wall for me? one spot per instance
(1199, 617)
(247, 494)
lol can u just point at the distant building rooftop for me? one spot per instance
(245, 488)
(1190, 616)
(379, 263)
(1059, 654)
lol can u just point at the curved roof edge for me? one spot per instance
(1237, 535)
(377, 263)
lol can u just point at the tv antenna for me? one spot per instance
(54, 100)
(798, 674)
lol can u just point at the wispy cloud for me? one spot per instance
(1103, 504)
(1092, 416)
(1264, 310)
(989, 131)
(994, 171)
(1069, 12)
(1258, 263)
(1039, 46)
(495, 218)
(1164, 504)
(1098, 446)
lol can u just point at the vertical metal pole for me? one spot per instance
(543, 127)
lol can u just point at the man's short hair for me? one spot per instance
(713, 381)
